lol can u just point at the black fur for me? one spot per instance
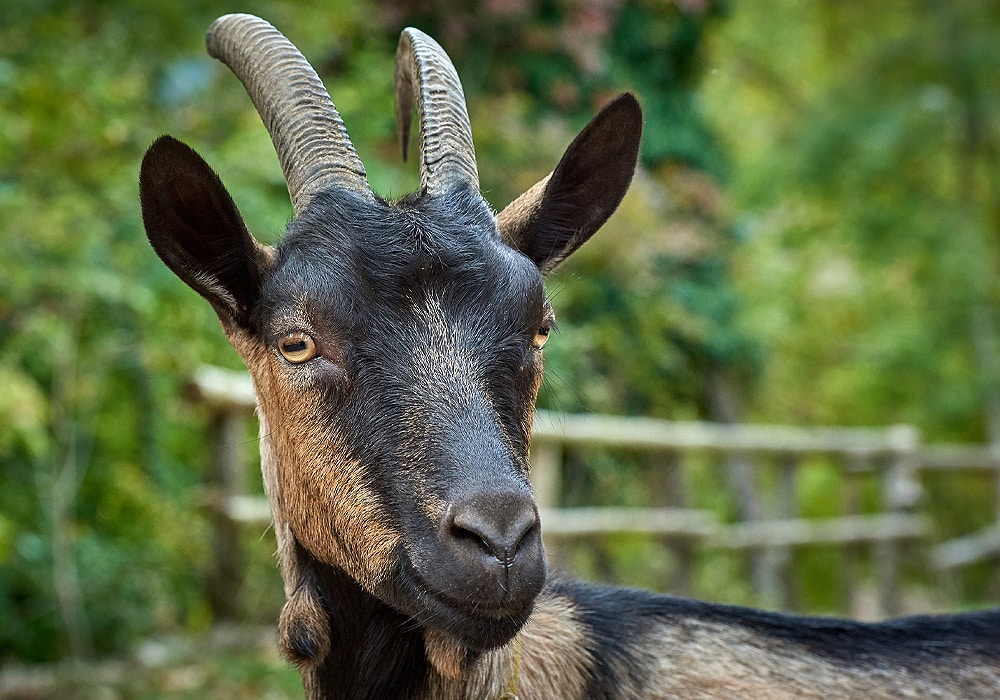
(923, 645)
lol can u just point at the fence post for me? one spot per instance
(902, 492)
(741, 475)
(546, 481)
(787, 508)
(546, 468)
(228, 479)
(854, 466)
(670, 490)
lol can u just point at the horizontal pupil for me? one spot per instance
(296, 346)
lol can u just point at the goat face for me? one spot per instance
(395, 350)
(412, 475)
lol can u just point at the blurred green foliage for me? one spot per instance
(813, 229)
(865, 141)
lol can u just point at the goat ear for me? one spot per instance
(195, 228)
(558, 214)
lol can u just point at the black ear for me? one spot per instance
(556, 216)
(195, 228)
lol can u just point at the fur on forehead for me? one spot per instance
(384, 232)
(382, 250)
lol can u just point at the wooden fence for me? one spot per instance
(769, 528)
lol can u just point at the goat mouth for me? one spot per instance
(476, 626)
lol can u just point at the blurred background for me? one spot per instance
(812, 239)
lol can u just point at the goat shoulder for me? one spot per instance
(586, 641)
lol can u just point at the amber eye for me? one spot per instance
(297, 348)
(541, 336)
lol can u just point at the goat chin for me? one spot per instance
(460, 631)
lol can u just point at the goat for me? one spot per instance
(396, 352)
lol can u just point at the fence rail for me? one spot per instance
(893, 455)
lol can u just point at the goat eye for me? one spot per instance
(541, 336)
(297, 348)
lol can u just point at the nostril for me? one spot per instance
(497, 531)
(463, 529)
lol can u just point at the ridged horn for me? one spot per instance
(308, 134)
(424, 71)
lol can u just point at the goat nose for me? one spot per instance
(498, 525)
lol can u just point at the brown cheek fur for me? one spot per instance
(330, 508)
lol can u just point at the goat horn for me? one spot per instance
(447, 156)
(307, 132)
